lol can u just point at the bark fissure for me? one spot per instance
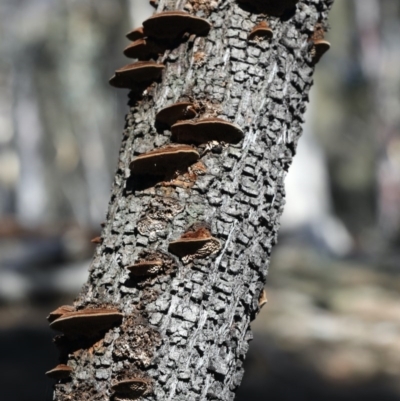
(187, 328)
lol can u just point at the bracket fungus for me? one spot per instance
(275, 8)
(145, 268)
(60, 372)
(135, 34)
(136, 74)
(96, 240)
(320, 47)
(171, 25)
(169, 115)
(165, 160)
(262, 300)
(60, 311)
(198, 243)
(131, 389)
(206, 130)
(262, 30)
(87, 321)
(143, 49)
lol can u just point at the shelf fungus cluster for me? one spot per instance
(158, 33)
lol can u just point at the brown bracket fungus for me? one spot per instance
(136, 74)
(262, 30)
(61, 310)
(206, 130)
(96, 240)
(143, 49)
(136, 34)
(87, 322)
(146, 268)
(195, 244)
(59, 372)
(263, 299)
(169, 115)
(320, 47)
(164, 161)
(275, 8)
(171, 25)
(131, 389)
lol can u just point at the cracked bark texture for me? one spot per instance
(187, 328)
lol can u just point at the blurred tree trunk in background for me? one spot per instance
(187, 328)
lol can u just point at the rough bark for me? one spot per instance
(187, 329)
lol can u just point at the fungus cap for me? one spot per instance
(169, 25)
(263, 299)
(320, 48)
(96, 240)
(59, 372)
(262, 30)
(134, 387)
(135, 34)
(175, 112)
(145, 268)
(198, 243)
(206, 130)
(164, 160)
(142, 49)
(133, 74)
(61, 310)
(87, 321)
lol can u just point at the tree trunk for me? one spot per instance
(186, 328)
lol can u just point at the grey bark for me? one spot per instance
(188, 328)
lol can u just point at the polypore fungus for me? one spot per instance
(262, 30)
(61, 310)
(206, 130)
(59, 372)
(136, 74)
(96, 240)
(131, 389)
(169, 115)
(320, 47)
(143, 49)
(164, 160)
(145, 268)
(135, 34)
(198, 243)
(276, 8)
(87, 321)
(263, 299)
(170, 25)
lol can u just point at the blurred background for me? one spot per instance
(331, 327)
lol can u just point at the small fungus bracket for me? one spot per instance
(261, 31)
(137, 75)
(206, 130)
(173, 113)
(60, 372)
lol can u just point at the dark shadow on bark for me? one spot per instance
(267, 9)
(140, 182)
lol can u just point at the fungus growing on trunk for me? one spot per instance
(61, 310)
(143, 49)
(171, 25)
(262, 30)
(131, 389)
(206, 130)
(197, 243)
(164, 161)
(140, 73)
(96, 240)
(135, 34)
(320, 47)
(276, 8)
(146, 268)
(263, 299)
(59, 372)
(87, 321)
(169, 115)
